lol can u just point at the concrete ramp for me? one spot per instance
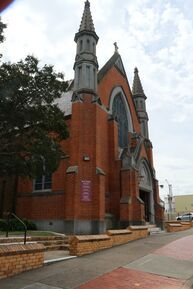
(163, 265)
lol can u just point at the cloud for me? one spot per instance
(173, 168)
(156, 36)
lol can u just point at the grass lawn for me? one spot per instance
(29, 233)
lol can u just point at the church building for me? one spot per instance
(107, 179)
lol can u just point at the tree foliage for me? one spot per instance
(31, 124)
(2, 26)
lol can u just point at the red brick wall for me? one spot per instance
(86, 141)
(134, 210)
(44, 207)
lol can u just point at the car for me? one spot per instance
(185, 217)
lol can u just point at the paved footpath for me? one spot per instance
(162, 261)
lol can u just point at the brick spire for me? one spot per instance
(137, 86)
(87, 22)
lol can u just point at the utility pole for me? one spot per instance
(169, 197)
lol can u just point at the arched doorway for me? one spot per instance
(146, 192)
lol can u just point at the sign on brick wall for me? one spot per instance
(86, 194)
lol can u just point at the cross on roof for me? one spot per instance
(116, 46)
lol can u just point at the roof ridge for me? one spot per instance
(112, 61)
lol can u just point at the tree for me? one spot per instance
(31, 124)
(2, 27)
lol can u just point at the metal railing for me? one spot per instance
(21, 222)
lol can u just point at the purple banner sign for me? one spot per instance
(85, 191)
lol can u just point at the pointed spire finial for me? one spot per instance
(87, 22)
(116, 47)
(137, 86)
(86, 64)
(87, 4)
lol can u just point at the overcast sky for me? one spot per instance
(156, 36)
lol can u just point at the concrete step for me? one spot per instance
(154, 230)
(33, 239)
(48, 238)
(53, 242)
(57, 247)
(4, 240)
(151, 226)
(51, 257)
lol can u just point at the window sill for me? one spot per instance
(42, 191)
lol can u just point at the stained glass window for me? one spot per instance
(120, 115)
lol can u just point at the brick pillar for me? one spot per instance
(150, 154)
(114, 188)
(159, 210)
(125, 210)
(85, 189)
(131, 207)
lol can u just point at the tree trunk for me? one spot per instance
(2, 196)
(14, 202)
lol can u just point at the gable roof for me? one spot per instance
(116, 61)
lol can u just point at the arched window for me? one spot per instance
(81, 43)
(94, 47)
(88, 75)
(88, 45)
(120, 115)
(79, 75)
(94, 79)
(144, 175)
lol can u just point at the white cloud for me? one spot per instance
(156, 36)
(23, 33)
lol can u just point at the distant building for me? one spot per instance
(180, 204)
(183, 204)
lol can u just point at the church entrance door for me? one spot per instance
(145, 196)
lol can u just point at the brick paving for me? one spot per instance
(123, 278)
(181, 249)
(126, 278)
